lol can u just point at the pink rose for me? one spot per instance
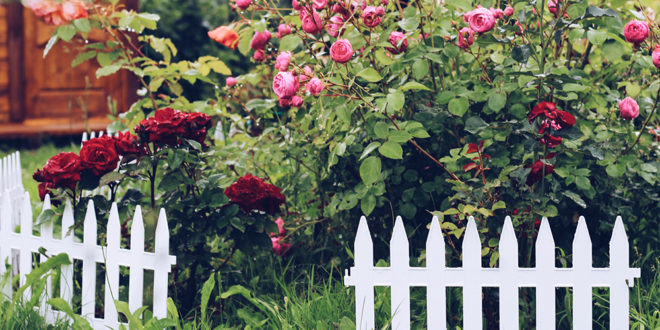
(464, 43)
(314, 86)
(284, 101)
(508, 11)
(335, 26)
(282, 30)
(384, 2)
(497, 13)
(399, 41)
(285, 84)
(552, 7)
(656, 57)
(371, 16)
(230, 81)
(280, 227)
(307, 74)
(73, 9)
(522, 30)
(259, 40)
(480, 19)
(628, 108)
(341, 51)
(279, 247)
(295, 5)
(296, 101)
(319, 4)
(341, 8)
(283, 60)
(259, 55)
(42, 8)
(636, 31)
(311, 22)
(243, 4)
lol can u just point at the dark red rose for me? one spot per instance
(543, 108)
(164, 127)
(565, 118)
(44, 188)
(127, 144)
(99, 155)
(60, 171)
(252, 193)
(549, 110)
(537, 170)
(197, 125)
(551, 141)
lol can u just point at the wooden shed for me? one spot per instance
(46, 95)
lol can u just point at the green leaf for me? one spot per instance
(459, 106)
(381, 130)
(51, 42)
(583, 183)
(107, 70)
(207, 288)
(370, 75)
(475, 124)
(615, 170)
(148, 20)
(570, 87)
(395, 101)
(219, 67)
(399, 136)
(290, 42)
(367, 204)
(593, 11)
(414, 86)
(612, 50)
(82, 57)
(45, 217)
(370, 170)
(238, 224)
(82, 25)
(550, 211)
(420, 69)
(521, 53)
(66, 32)
(234, 290)
(498, 205)
(111, 177)
(371, 147)
(391, 150)
(497, 101)
(633, 89)
(597, 37)
(575, 197)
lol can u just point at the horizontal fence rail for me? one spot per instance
(509, 277)
(25, 243)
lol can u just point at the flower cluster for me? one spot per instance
(553, 120)
(252, 193)
(279, 246)
(168, 127)
(480, 20)
(58, 12)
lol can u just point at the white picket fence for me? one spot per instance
(24, 243)
(509, 277)
(11, 183)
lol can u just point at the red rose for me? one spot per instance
(537, 170)
(551, 141)
(127, 144)
(164, 127)
(549, 110)
(44, 188)
(252, 193)
(99, 155)
(196, 126)
(61, 171)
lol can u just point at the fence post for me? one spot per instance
(582, 263)
(162, 269)
(361, 276)
(545, 264)
(136, 277)
(66, 277)
(472, 309)
(399, 264)
(436, 300)
(508, 249)
(111, 265)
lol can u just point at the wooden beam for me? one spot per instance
(16, 65)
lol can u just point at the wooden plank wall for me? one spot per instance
(4, 67)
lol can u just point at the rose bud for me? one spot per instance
(259, 55)
(282, 30)
(259, 40)
(282, 61)
(243, 4)
(334, 28)
(296, 101)
(628, 108)
(230, 81)
(508, 11)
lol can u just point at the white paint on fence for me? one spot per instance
(509, 277)
(90, 254)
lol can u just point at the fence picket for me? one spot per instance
(361, 277)
(136, 277)
(472, 310)
(545, 264)
(619, 291)
(47, 234)
(162, 251)
(399, 264)
(582, 263)
(436, 293)
(508, 249)
(66, 276)
(111, 265)
(89, 261)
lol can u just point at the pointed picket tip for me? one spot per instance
(619, 247)
(89, 226)
(84, 137)
(435, 245)
(471, 246)
(507, 230)
(399, 250)
(114, 227)
(363, 235)
(508, 246)
(619, 233)
(399, 233)
(582, 233)
(363, 250)
(582, 257)
(471, 233)
(137, 230)
(162, 229)
(47, 205)
(67, 221)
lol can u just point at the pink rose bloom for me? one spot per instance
(464, 43)
(497, 13)
(259, 40)
(73, 9)
(636, 31)
(285, 84)
(341, 51)
(552, 7)
(656, 57)
(307, 74)
(230, 81)
(295, 5)
(279, 247)
(371, 16)
(333, 28)
(508, 11)
(42, 8)
(480, 20)
(282, 30)
(319, 4)
(296, 101)
(311, 22)
(280, 227)
(341, 8)
(314, 86)
(282, 61)
(284, 101)
(259, 55)
(243, 4)
(395, 40)
(628, 108)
